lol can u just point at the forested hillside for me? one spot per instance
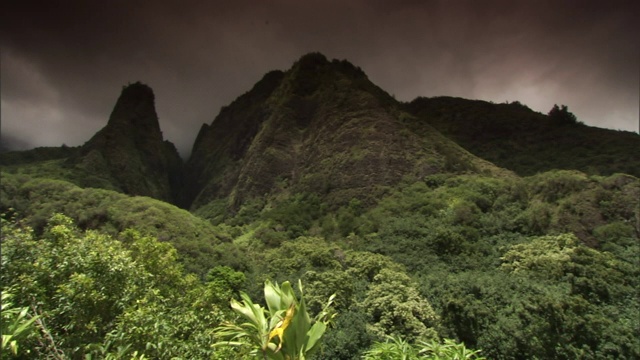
(514, 137)
(319, 218)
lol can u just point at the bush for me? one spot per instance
(97, 296)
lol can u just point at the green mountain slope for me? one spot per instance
(516, 138)
(322, 127)
(35, 200)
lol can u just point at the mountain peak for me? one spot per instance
(312, 59)
(313, 70)
(138, 90)
(321, 127)
(130, 149)
(135, 114)
(315, 61)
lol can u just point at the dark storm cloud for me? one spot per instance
(65, 62)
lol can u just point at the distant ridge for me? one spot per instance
(515, 137)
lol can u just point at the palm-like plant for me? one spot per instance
(283, 331)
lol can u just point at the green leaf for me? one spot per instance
(243, 310)
(314, 334)
(288, 296)
(300, 324)
(272, 296)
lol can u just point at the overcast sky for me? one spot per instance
(64, 62)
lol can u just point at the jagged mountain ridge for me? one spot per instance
(322, 127)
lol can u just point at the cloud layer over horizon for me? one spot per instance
(64, 62)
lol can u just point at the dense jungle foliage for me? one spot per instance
(540, 267)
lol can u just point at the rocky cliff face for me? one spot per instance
(130, 150)
(320, 127)
(220, 147)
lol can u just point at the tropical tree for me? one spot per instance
(562, 115)
(96, 297)
(396, 307)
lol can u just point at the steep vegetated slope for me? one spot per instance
(200, 245)
(516, 138)
(130, 149)
(214, 151)
(323, 128)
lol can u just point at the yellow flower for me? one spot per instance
(278, 331)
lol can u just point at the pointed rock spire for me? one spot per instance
(130, 149)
